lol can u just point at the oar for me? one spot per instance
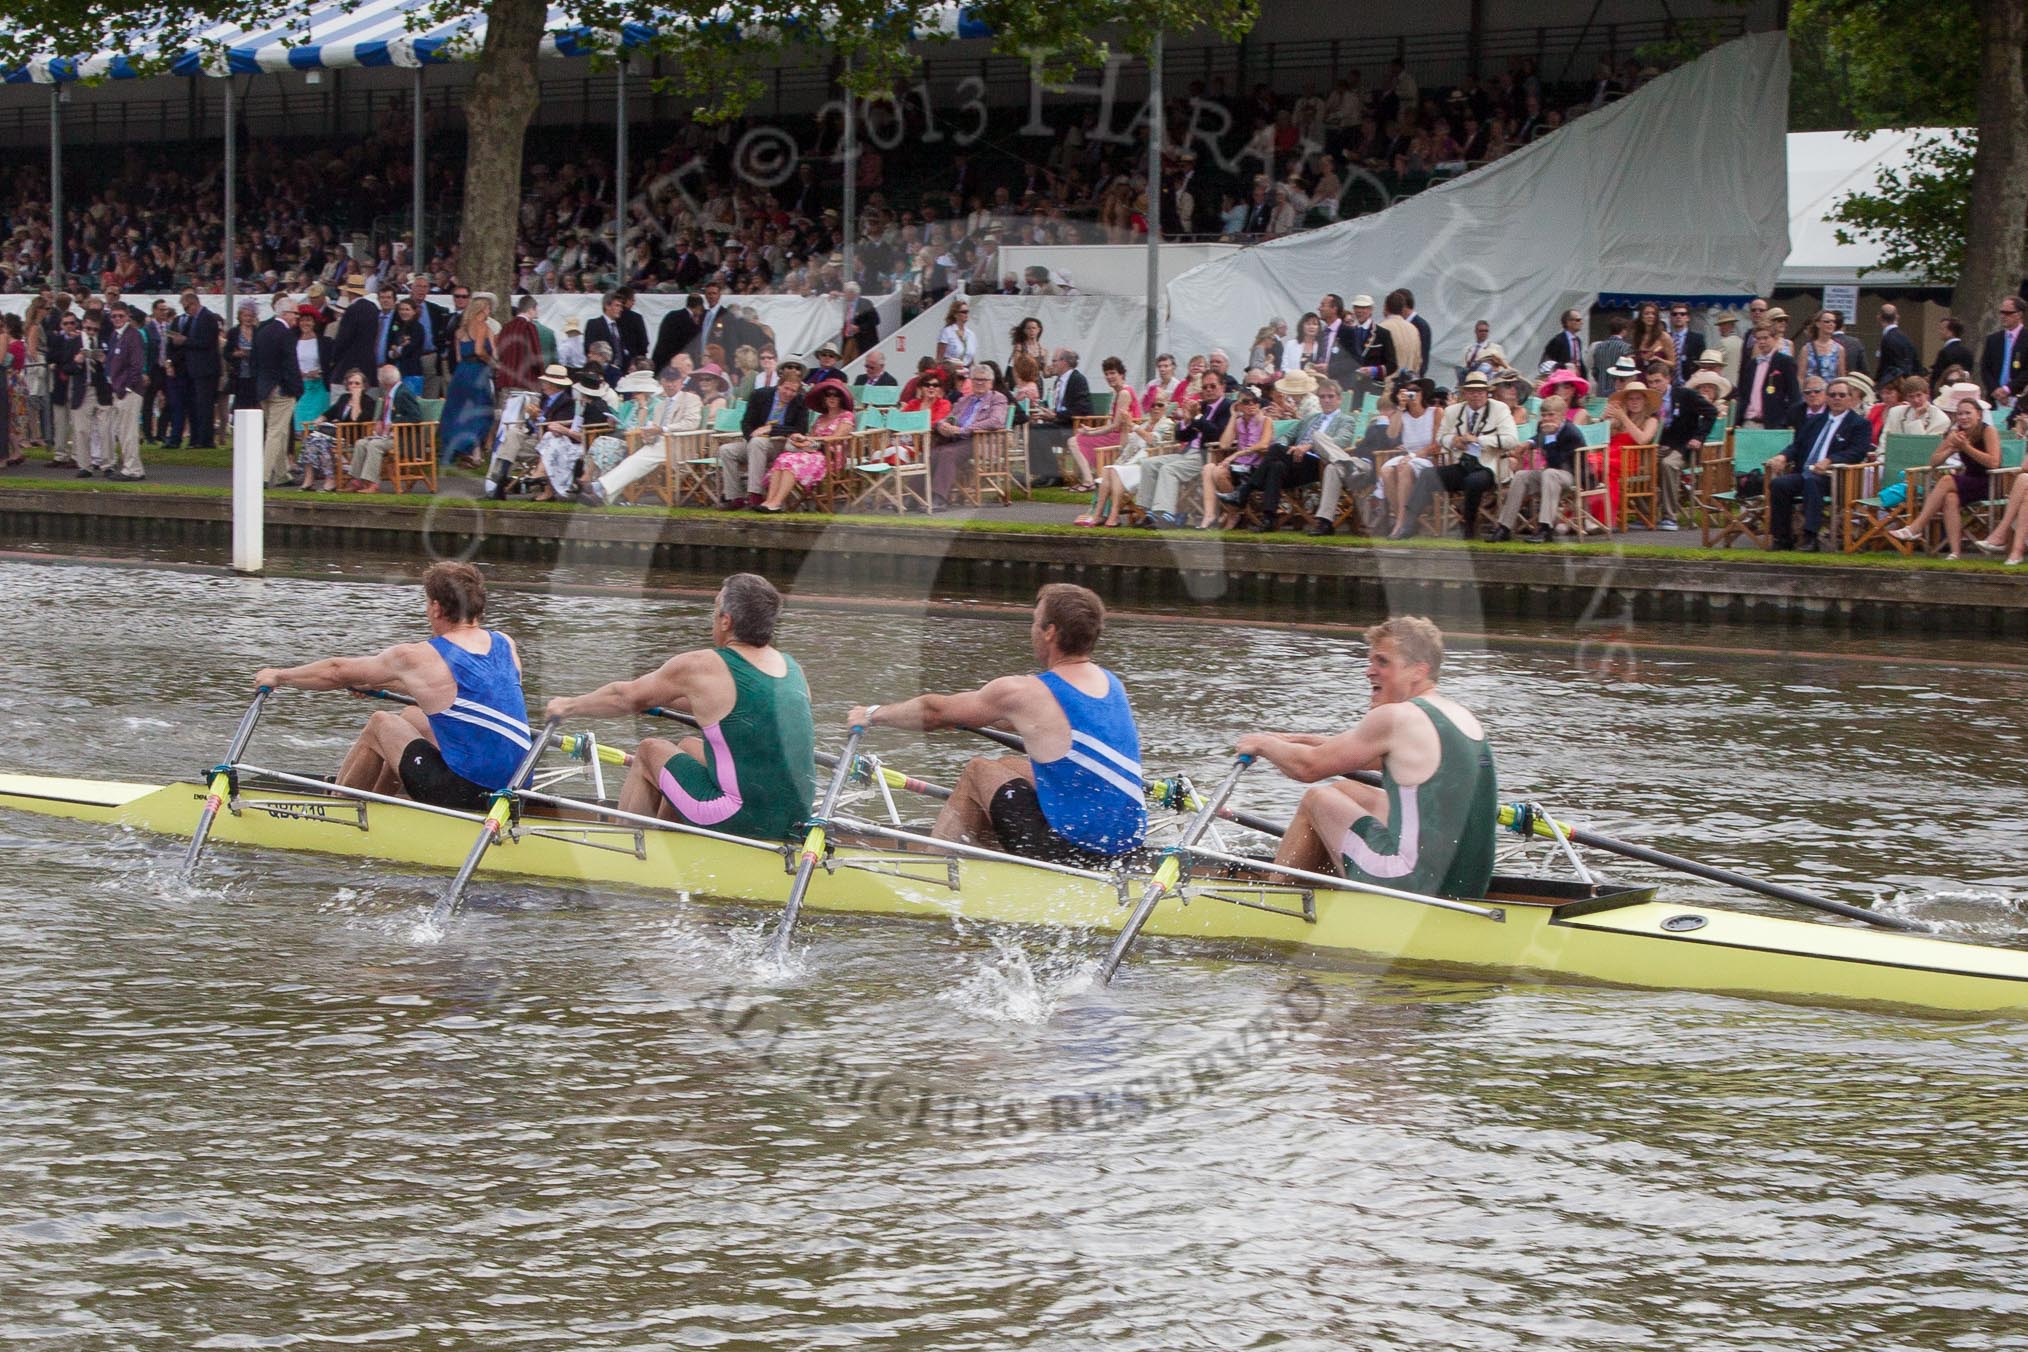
(813, 846)
(221, 777)
(1534, 822)
(496, 821)
(1170, 869)
(1541, 826)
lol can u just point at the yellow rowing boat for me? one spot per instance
(1527, 928)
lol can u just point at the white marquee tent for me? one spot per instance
(1677, 191)
(1824, 166)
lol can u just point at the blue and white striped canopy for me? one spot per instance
(368, 33)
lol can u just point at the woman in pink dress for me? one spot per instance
(1085, 447)
(830, 418)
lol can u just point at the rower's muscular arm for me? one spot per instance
(669, 685)
(994, 703)
(1309, 760)
(387, 670)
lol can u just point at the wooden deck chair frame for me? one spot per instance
(414, 459)
(1866, 521)
(662, 481)
(1640, 487)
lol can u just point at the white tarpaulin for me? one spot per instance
(1824, 166)
(1676, 191)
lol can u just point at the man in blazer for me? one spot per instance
(278, 383)
(1689, 342)
(355, 346)
(1566, 346)
(2003, 366)
(1837, 436)
(1052, 423)
(1768, 392)
(1954, 352)
(1421, 327)
(392, 405)
(1898, 357)
(1348, 350)
(773, 422)
(439, 337)
(1687, 418)
(1164, 477)
(680, 331)
(193, 353)
(69, 383)
(612, 329)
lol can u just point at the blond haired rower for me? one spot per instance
(1428, 826)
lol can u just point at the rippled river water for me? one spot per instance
(265, 1112)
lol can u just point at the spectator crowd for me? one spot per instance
(1237, 165)
(1342, 417)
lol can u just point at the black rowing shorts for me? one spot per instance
(427, 779)
(1016, 811)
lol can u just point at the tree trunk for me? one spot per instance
(1996, 242)
(497, 114)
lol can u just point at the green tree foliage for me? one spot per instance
(1865, 65)
(1870, 65)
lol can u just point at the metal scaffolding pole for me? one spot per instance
(56, 259)
(1154, 211)
(851, 212)
(231, 205)
(419, 250)
(620, 170)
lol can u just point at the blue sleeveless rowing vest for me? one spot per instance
(484, 734)
(1092, 797)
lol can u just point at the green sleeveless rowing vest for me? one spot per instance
(1438, 837)
(756, 778)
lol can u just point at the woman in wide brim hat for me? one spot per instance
(830, 405)
(814, 396)
(1713, 385)
(1630, 413)
(1565, 382)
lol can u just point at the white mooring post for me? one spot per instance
(249, 484)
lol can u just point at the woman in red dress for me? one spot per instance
(1631, 414)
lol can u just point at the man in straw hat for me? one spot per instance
(1478, 431)
(522, 422)
(1709, 379)
(356, 344)
(676, 410)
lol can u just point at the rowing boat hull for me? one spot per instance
(1553, 931)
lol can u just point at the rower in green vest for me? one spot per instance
(1428, 827)
(749, 772)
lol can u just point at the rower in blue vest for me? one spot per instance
(1076, 797)
(467, 731)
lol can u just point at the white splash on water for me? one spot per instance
(1011, 985)
(1978, 915)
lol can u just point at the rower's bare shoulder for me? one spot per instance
(1464, 719)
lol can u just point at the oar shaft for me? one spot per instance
(1740, 880)
(221, 778)
(1169, 871)
(495, 823)
(1249, 820)
(813, 846)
